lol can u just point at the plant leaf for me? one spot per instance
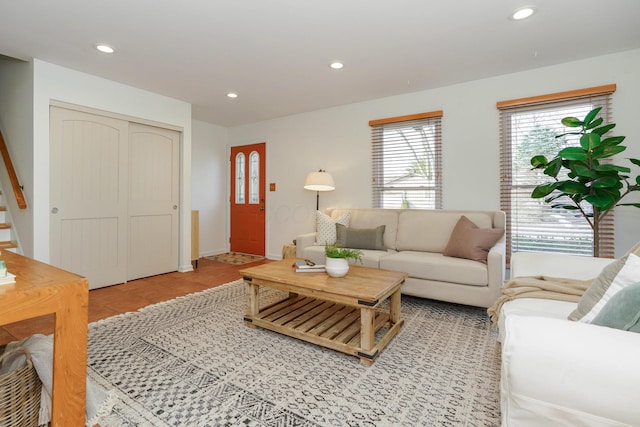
(597, 122)
(611, 168)
(568, 133)
(543, 190)
(605, 182)
(589, 141)
(637, 205)
(572, 187)
(572, 122)
(601, 201)
(612, 140)
(581, 169)
(591, 115)
(603, 129)
(635, 162)
(553, 167)
(567, 207)
(539, 161)
(573, 153)
(607, 151)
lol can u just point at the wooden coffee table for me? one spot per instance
(343, 313)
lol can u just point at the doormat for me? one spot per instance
(235, 258)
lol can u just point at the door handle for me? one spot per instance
(261, 208)
(54, 210)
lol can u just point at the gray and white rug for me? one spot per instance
(192, 362)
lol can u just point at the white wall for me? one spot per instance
(209, 164)
(52, 82)
(16, 111)
(338, 140)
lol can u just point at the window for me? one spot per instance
(527, 128)
(240, 178)
(254, 177)
(407, 161)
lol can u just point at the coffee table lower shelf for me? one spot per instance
(328, 324)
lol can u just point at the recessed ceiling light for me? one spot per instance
(105, 48)
(336, 65)
(232, 95)
(523, 13)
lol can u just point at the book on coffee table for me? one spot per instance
(8, 279)
(305, 266)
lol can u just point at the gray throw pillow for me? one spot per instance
(613, 278)
(597, 289)
(622, 311)
(360, 238)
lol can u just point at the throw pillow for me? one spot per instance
(613, 278)
(360, 238)
(469, 241)
(326, 227)
(622, 311)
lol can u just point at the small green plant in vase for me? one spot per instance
(337, 258)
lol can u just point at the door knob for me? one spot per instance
(54, 210)
(261, 208)
(175, 207)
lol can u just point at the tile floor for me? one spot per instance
(131, 296)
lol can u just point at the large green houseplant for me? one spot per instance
(591, 187)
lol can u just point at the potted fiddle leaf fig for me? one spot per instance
(337, 258)
(592, 186)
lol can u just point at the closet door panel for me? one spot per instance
(153, 200)
(88, 191)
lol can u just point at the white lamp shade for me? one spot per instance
(319, 181)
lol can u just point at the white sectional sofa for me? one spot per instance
(559, 372)
(414, 241)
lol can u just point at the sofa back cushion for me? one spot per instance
(372, 218)
(429, 230)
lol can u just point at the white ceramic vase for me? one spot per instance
(336, 267)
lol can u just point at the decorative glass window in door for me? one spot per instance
(254, 177)
(240, 160)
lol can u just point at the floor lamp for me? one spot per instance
(319, 181)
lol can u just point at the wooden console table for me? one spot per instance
(42, 289)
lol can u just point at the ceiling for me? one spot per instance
(275, 53)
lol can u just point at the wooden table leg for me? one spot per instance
(254, 303)
(367, 335)
(70, 356)
(394, 308)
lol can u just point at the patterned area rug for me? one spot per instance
(235, 258)
(192, 362)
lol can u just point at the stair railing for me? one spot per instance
(17, 188)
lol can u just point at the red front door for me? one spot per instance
(247, 199)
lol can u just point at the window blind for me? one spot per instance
(407, 161)
(527, 128)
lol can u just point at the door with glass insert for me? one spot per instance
(248, 199)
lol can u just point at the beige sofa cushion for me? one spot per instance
(429, 230)
(372, 218)
(437, 267)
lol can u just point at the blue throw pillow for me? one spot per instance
(622, 311)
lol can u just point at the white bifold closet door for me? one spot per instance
(113, 196)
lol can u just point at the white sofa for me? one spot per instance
(415, 241)
(558, 372)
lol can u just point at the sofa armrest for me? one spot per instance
(557, 369)
(557, 265)
(496, 263)
(304, 240)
